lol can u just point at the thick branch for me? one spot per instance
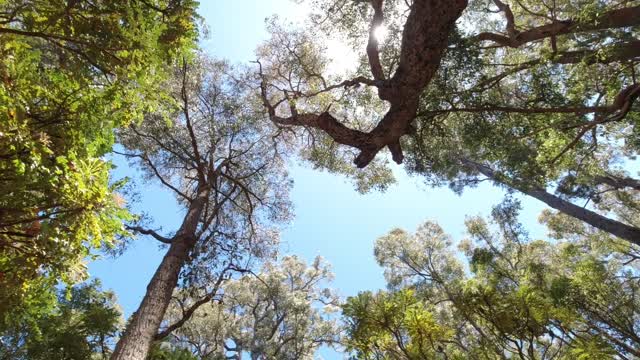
(188, 313)
(613, 53)
(424, 40)
(618, 18)
(488, 108)
(622, 104)
(618, 182)
(511, 23)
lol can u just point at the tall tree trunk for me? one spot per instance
(614, 227)
(143, 325)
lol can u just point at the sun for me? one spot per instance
(380, 33)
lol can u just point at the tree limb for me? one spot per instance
(150, 232)
(618, 18)
(372, 45)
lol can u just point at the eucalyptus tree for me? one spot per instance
(528, 94)
(283, 311)
(71, 72)
(515, 297)
(212, 148)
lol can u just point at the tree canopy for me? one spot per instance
(82, 324)
(538, 97)
(72, 72)
(531, 95)
(513, 297)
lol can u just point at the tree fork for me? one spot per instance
(424, 41)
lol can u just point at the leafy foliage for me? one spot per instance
(377, 321)
(81, 324)
(522, 298)
(72, 72)
(281, 312)
(162, 351)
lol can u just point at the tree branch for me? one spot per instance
(152, 233)
(424, 41)
(613, 19)
(618, 182)
(187, 314)
(372, 45)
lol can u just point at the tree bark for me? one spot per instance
(613, 227)
(143, 325)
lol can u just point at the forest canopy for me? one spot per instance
(537, 97)
(72, 72)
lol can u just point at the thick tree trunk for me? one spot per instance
(613, 227)
(143, 325)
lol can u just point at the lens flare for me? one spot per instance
(380, 33)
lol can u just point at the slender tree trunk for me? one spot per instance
(614, 227)
(143, 325)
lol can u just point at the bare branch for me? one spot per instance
(152, 233)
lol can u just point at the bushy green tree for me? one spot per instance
(71, 72)
(514, 297)
(81, 324)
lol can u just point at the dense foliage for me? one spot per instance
(81, 324)
(524, 298)
(71, 72)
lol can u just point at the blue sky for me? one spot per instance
(332, 219)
